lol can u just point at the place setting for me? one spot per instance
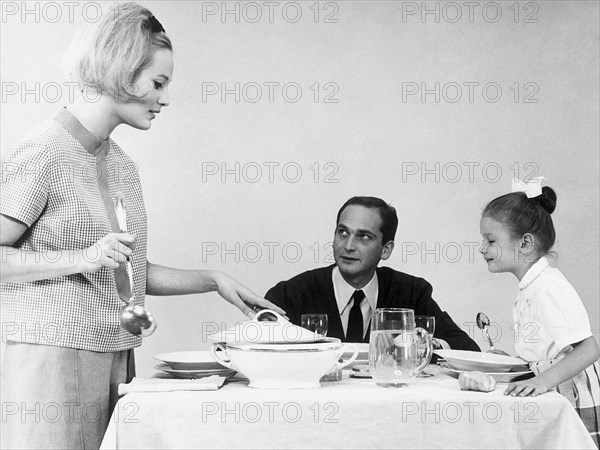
(502, 368)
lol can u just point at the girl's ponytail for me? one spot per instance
(547, 199)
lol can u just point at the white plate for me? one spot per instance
(501, 377)
(192, 360)
(483, 362)
(192, 374)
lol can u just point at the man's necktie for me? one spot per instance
(355, 321)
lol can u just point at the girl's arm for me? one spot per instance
(584, 354)
(19, 266)
(162, 280)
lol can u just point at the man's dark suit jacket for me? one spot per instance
(312, 292)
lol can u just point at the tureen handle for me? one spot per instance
(268, 315)
(345, 348)
(213, 351)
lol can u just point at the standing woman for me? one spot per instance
(61, 272)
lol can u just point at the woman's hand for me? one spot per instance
(22, 266)
(161, 280)
(527, 388)
(110, 251)
(239, 295)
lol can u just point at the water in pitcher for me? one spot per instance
(393, 357)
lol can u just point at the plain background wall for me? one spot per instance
(267, 225)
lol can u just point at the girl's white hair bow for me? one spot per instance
(531, 189)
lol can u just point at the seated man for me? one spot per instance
(350, 290)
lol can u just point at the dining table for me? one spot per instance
(431, 412)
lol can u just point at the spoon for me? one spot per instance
(483, 323)
(134, 318)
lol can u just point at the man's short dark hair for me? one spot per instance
(389, 219)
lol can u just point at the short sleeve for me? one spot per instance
(24, 184)
(563, 314)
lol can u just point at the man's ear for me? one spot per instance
(527, 244)
(387, 250)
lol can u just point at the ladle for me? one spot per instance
(134, 318)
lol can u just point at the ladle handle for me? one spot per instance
(121, 213)
(129, 270)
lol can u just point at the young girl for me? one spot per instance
(62, 250)
(553, 327)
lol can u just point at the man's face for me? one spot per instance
(357, 246)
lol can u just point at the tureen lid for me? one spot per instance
(267, 327)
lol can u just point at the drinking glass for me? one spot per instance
(394, 359)
(316, 323)
(428, 324)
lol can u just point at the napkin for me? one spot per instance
(211, 383)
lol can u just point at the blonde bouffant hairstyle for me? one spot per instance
(110, 56)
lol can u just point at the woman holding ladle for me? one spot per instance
(63, 269)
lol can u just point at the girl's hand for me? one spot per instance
(239, 295)
(527, 388)
(110, 251)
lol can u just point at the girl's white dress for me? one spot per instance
(549, 316)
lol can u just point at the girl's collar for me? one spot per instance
(534, 272)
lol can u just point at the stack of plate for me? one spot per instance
(503, 368)
(190, 365)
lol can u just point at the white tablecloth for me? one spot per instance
(352, 413)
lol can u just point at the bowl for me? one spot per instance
(192, 360)
(284, 366)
